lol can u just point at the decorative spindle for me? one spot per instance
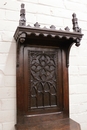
(75, 24)
(22, 21)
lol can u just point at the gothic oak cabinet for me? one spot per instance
(42, 75)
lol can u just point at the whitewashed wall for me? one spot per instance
(46, 12)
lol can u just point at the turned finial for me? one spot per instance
(22, 21)
(75, 23)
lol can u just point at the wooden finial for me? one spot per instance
(75, 24)
(22, 21)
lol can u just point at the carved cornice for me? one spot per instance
(22, 31)
(65, 38)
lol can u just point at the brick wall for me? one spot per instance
(46, 12)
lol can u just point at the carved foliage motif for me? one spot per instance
(43, 82)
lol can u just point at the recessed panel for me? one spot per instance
(43, 79)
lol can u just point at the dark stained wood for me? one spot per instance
(42, 75)
(75, 24)
(62, 124)
(42, 79)
(22, 21)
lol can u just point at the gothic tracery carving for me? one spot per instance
(43, 79)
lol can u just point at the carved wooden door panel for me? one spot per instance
(42, 80)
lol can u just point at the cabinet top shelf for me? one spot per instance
(24, 30)
(46, 32)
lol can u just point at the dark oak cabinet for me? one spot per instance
(42, 75)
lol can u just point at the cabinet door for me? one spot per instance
(42, 80)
